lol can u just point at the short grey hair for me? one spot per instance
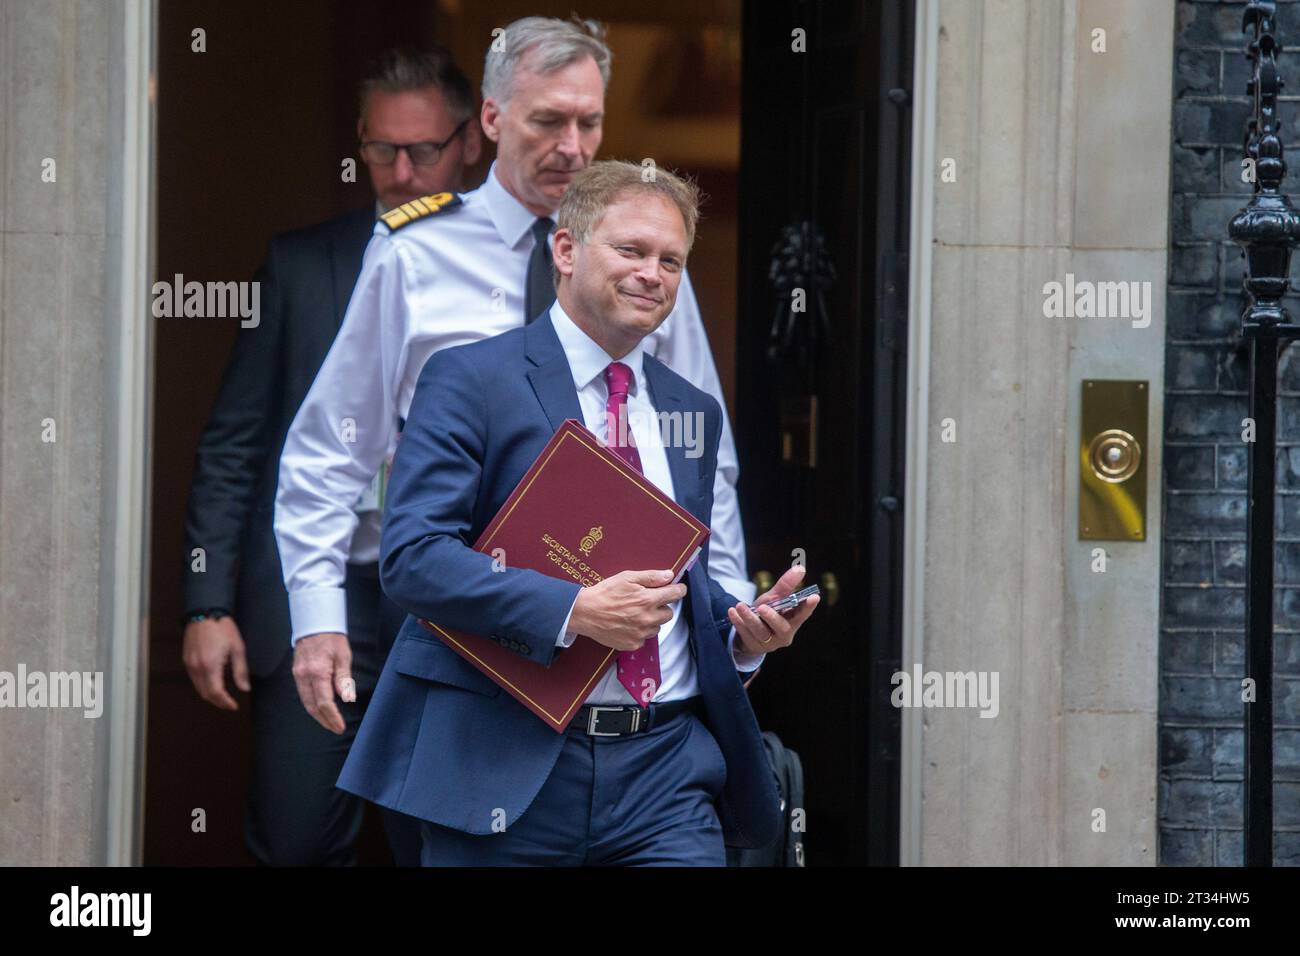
(409, 69)
(548, 44)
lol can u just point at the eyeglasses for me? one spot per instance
(421, 154)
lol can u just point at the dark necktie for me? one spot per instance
(638, 671)
(539, 293)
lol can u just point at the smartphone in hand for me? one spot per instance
(790, 601)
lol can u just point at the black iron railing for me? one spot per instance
(1267, 229)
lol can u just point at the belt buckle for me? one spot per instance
(593, 717)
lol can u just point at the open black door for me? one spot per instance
(820, 398)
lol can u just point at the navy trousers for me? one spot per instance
(296, 815)
(642, 800)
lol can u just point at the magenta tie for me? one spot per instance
(638, 671)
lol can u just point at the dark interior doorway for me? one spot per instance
(824, 209)
(250, 137)
(251, 134)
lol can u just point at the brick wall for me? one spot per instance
(1204, 547)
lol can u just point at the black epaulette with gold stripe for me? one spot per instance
(409, 212)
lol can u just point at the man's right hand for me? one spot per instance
(322, 666)
(626, 610)
(206, 647)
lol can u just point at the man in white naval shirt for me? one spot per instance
(447, 272)
(664, 763)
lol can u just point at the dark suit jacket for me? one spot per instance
(440, 740)
(306, 280)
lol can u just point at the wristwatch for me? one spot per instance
(204, 614)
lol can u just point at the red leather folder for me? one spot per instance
(582, 514)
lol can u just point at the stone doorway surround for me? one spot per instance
(76, 88)
(1062, 165)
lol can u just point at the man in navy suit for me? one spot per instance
(417, 137)
(664, 763)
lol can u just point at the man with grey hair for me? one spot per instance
(447, 271)
(416, 136)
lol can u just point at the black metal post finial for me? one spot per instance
(1269, 226)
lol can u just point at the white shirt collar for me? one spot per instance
(587, 360)
(511, 218)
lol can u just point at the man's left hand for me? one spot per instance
(769, 630)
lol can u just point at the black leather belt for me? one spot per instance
(600, 720)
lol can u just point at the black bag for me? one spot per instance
(787, 848)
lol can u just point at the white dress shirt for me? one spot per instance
(588, 362)
(451, 278)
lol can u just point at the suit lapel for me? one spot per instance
(667, 399)
(666, 396)
(552, 382)
(552, 378)
(348, 247)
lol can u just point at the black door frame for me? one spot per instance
(876, 502)
(887, 437)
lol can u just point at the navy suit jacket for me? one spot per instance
(441, 741)
(306, 283)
